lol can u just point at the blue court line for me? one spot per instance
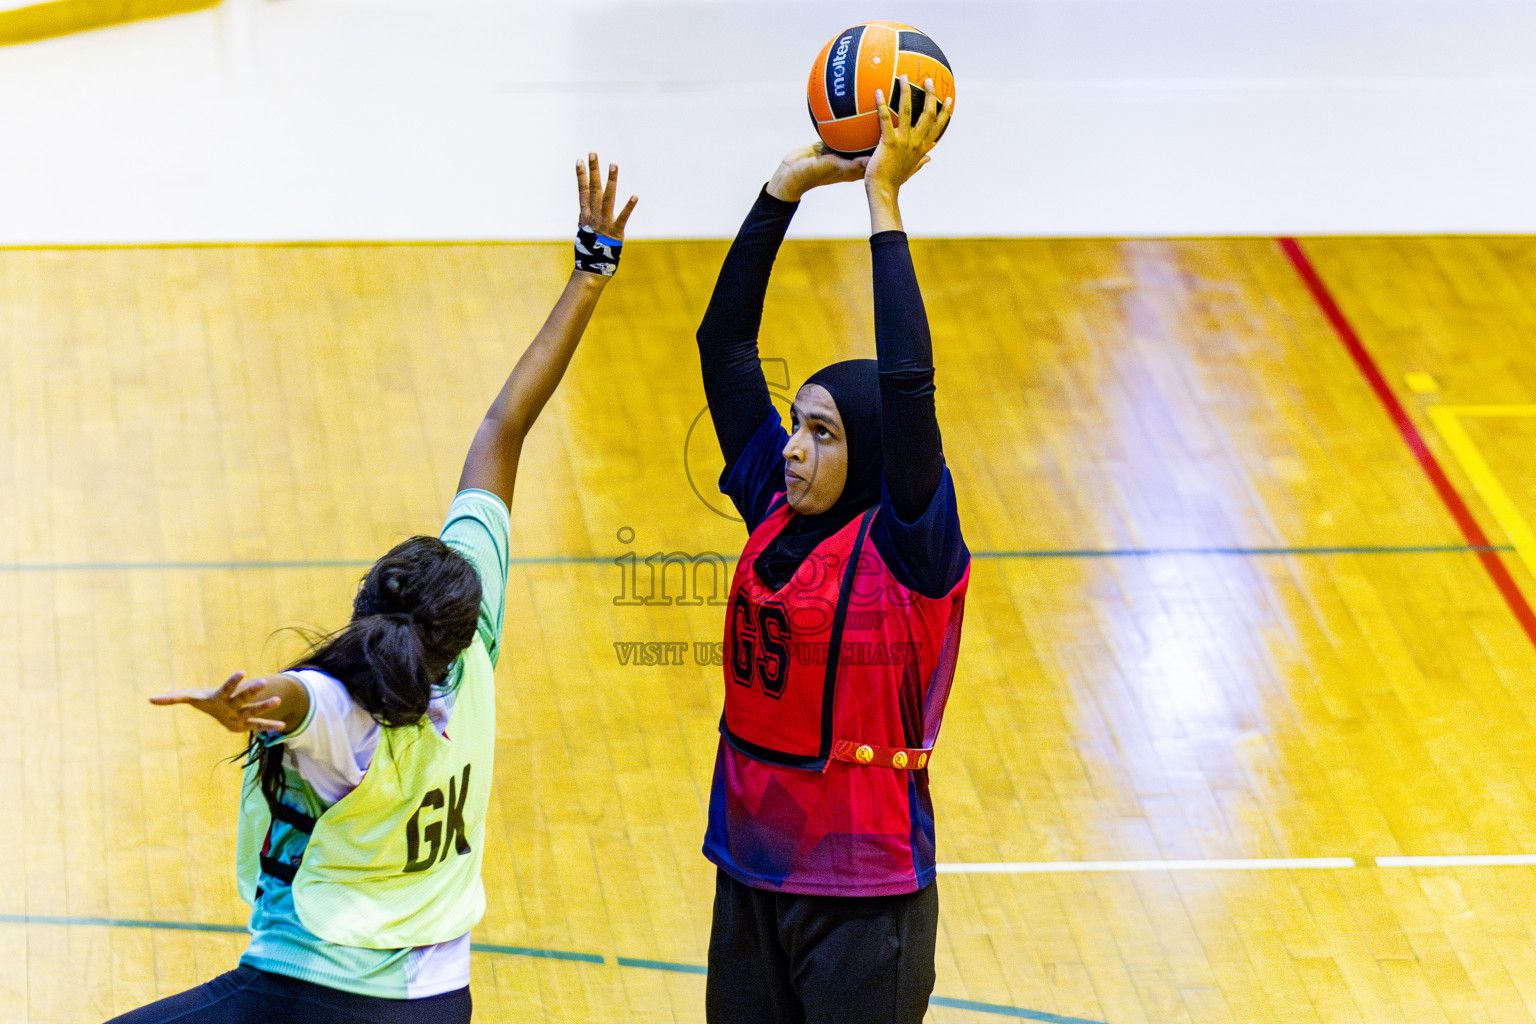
(1009, 1011)
(1364, 549)
(547, 954)
(1415, 549)
(662, 965)
(240, 929)
(339, 563)
(119, 922)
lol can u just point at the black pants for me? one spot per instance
(248, 996)
(781, 958)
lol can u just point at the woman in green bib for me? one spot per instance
(362, 827)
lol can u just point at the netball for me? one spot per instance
(858, 61)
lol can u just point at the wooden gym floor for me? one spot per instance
(1248, 616)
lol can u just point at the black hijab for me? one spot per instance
(854, 385)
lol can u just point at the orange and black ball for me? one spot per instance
(859, 60)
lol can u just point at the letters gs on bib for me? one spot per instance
(765, 645)
(767, 634)
(761, 651)
(856, 62)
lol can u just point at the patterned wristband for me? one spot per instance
(595, 253)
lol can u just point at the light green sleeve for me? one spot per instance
(479, 528)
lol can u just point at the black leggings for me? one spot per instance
(248, 996)
(780, 958)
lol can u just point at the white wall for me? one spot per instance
(442, 119)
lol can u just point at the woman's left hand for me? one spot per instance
(231, 705)
(904, 143)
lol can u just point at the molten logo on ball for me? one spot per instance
(840, 66)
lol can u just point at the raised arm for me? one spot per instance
(491, 464)
(921, 540)
(733, 377)
(909, 426)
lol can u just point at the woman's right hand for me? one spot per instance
(241, 704)
(810, 166)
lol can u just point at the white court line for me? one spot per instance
(1493, 860)
(1067, 866)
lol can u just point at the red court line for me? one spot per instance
(1411, 436)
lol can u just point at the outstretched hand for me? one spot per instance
(231, 705)
(491, 463)
(810, 166)
(597, 199)
(905, 141)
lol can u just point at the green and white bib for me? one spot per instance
(396, 862)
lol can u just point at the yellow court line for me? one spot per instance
(65, 17)
(1448, 420)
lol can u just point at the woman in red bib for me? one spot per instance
(841, 632)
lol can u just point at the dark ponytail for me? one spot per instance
(415, 612)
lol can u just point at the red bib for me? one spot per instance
(824, 661)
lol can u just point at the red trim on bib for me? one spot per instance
(908, 758)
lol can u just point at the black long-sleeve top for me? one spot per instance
(919, 534)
